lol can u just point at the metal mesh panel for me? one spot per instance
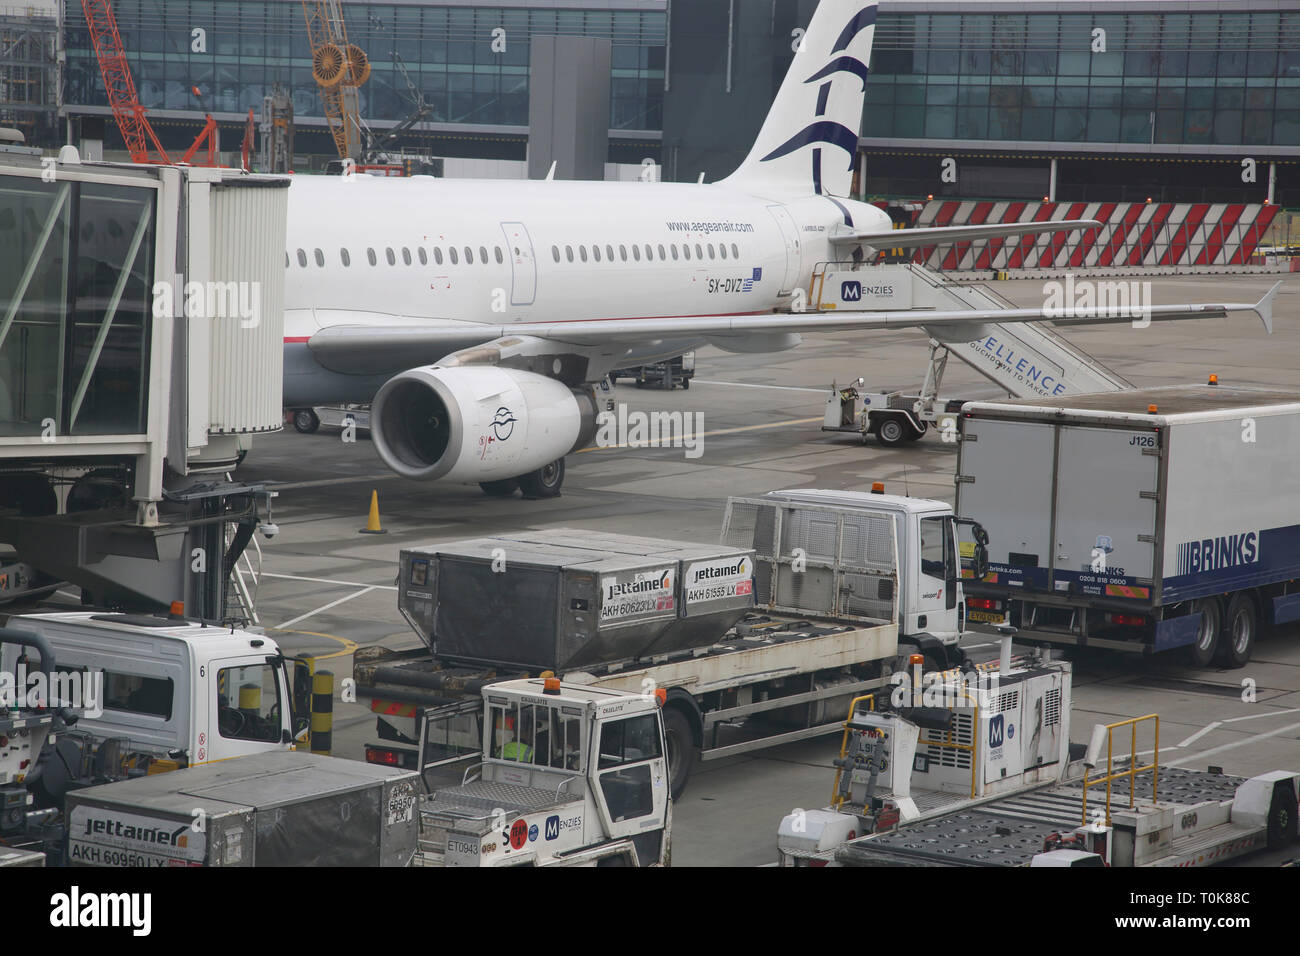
(750, 525)
(812, 590)
(868, 542)
(763, 583)
(864, 595)
(815, 532)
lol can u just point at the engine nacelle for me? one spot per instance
(477, 423)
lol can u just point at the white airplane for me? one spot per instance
(475, 316)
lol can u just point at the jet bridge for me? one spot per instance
(1025, 359)
(141, 322)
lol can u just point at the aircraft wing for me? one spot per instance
(358, 347)
(942, 235)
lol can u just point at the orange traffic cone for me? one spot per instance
(372, 523)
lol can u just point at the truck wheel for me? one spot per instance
(1239, 635)
(686, 384)
(682, 752)
(1202, 653)
(1282, 817)
(305, 421)
(500, 489)
(545, 482)
(892, 431)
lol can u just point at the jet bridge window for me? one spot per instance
(76, 307)
(248, 702)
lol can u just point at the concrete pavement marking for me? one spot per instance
(779, 388)
(347, 584)
(324, 607)
(1200, 733)
(348, 646)
(323, 482)
(1235, 744)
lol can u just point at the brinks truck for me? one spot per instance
(1146, 520)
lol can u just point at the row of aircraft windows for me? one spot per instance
(454, 256)
(664, 253)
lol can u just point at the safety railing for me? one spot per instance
(1133, 768)
(972, 747)
(836, 797)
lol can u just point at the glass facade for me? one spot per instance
(1201, 78)
(247, 46)
(76, 273)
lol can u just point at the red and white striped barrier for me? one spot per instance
(1132, 234)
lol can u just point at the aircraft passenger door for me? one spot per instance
(519, 246)
(793, 252)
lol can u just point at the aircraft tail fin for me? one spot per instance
(809, 140)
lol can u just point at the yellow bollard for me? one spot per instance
(322, 712)
(372, 523)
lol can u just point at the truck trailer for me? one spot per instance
(1145, 520)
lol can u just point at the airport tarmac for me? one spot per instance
(327, 589)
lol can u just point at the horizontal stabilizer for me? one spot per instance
(942, 235)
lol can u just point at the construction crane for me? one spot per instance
(339, 69)
(122, 97)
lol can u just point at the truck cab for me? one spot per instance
(932, 546)
(569, 775)
(179, 693)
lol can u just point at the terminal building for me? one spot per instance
(1078, 102)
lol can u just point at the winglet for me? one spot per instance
(1264, 307)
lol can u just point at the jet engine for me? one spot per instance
(482, 424)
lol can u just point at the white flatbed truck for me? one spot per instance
(1140, 521)
(986, 776)
(830, 594)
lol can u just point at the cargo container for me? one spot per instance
(1144, 520)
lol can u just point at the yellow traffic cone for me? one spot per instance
(372, 523)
